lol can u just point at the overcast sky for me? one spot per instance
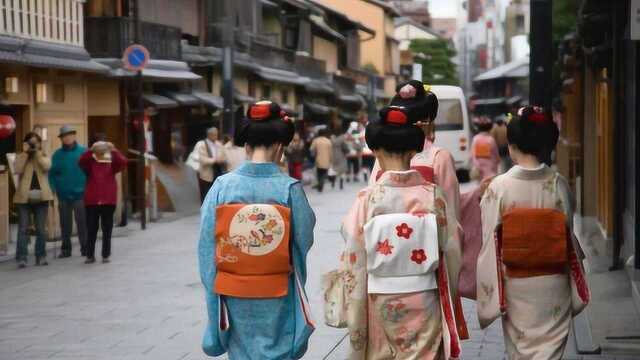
(443, 8)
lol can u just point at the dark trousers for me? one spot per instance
(204, 188)
(321, 174)
(354, 167)
(39, 211)
(70, 209)
(99, 216)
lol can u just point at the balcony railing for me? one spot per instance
(59, 21)
(311, 67)
(108, 37)
(272, 56)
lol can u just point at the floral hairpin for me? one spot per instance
(397, 116)
(407, 92)
(260, 110)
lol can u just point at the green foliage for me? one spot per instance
(565, 14)
(369, 67)
(435, 57)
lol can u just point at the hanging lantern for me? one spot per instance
(7, 126)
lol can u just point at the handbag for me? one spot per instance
(335, 301)
(193, 161)
(34, 196)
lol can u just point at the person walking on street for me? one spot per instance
(322, 150)
(68, 182)
(295, 153)
(255, 234)
(484, 151)
(32, 197)
(212, 158)
(339, 159)
(355, 141)
(101, 163)
(499, 133)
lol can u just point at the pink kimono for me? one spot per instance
(417, 325)
(485, 157)
(536, 311)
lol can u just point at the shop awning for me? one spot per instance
(240, 97)
(184, 99)
(514, 69)
(47, 55)
(289, 110)
(348, 116)
(156, 70)
(317, 109)
(209, 99)
(379, 93)
(319, 87)
(352, 100)
(319, 22)
(282, 76)
(159, 101)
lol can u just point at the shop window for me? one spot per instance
(58, 93)
(252, 89)
(266, 91)
(285, 96)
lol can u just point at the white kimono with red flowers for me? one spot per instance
(536, 311)
(419, 325)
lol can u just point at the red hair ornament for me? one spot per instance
(396, 117)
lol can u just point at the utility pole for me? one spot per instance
(228, 123)
(138, 122)
(541, 61)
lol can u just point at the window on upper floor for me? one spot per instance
(266, 91)
(284, 94)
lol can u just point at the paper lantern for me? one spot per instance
(7, 126)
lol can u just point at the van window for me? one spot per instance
(449, 115)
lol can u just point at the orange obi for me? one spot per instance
(534, 242)
(482, 150)
(252, 250)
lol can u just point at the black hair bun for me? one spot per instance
(265, 125)
(420, 103)
(533, 131)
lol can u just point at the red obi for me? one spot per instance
(534, 242)
(252, 250)
(482, 150)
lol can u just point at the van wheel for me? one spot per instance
(463, 176)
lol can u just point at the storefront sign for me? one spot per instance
(635, 19)
(7, 126)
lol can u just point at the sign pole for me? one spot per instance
(540, 75)
(138, 121)
(228, 126)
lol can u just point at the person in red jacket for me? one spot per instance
(101, 163)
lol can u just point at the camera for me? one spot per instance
(33, 146)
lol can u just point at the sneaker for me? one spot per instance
(41, 262)
(90, 261)
(64, 255)
(105, 260)
(22, 264)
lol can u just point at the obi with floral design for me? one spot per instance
(245, 216)
(401, 325)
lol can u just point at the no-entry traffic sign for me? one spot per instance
(135, 57)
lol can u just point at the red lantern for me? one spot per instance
(7, 126)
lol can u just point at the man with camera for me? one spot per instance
(32, 197)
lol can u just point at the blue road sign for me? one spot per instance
(135, 57)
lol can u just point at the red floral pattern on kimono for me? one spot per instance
(404, 230)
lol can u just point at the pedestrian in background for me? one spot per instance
(32, 197)
(499, 133)
(485, 158)
(339, 163)
(295, 156)
(212, 158)
(68, 182)
(529, 270)
(236, 155)
(322, 150)
(256, 231)
(355, 142)
(101, 163)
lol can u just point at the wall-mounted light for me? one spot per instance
(11, 85)
(41, 93)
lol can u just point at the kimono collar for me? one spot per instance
(541, 173)
(259, 169)
(401, 178)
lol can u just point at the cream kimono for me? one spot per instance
(536, 311)
(417, 325)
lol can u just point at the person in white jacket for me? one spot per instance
(211, 155)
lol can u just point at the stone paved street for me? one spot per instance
(148, 303)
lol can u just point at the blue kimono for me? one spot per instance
(273, 328)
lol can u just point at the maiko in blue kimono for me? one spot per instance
(261, 327)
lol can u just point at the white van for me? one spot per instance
(453, 127)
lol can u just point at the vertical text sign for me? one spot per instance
(635, 19)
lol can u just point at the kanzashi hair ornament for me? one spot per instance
(396, 117)
(537, 117)
(284, 116)
(407, 92)
(260, 111)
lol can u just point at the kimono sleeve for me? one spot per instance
(303, 220)
(211, 343)
(487, 284)
(445, 173)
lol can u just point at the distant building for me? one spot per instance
(445, 27)
(516, 26)
(417, 10)
(408, 29)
